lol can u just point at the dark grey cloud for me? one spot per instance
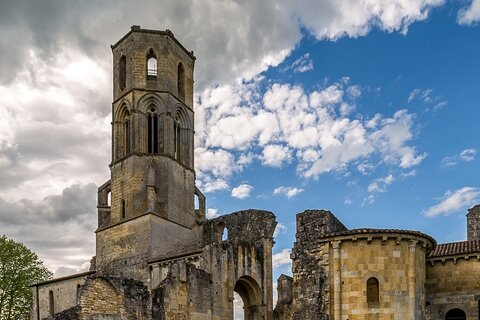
(54, 125)
(60, 228)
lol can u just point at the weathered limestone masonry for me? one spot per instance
(473, 223)
(158, 257)
(453, 279)
(311, 277)
(360, 274)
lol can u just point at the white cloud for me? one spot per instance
(453, 201)
(468, 154)
(280, 228)
(281, 259)
(333, 19)
(302, 64)
(377, 186)
(275, 155)
(289, 192)
(287, 125)
(212, 213)
(242, 191)
(471, 14)
(380, 185)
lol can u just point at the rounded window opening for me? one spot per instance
(372, 290)
(456, 314)
(249, 293)
(151, 65)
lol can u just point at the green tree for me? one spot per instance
(19, 268)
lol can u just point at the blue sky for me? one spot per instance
(364, 108)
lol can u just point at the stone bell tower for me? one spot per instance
(151, 210)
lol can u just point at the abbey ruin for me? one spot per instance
(159, 257)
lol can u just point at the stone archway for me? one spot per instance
(249, 290)
(456, 314)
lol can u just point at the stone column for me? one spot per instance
(337, 281)
(267, 281)
(412, 246)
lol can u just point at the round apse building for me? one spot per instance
(358, 274)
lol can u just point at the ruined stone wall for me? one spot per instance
(65, 293)
(453, 283)
(283, 308)
(198, 282)
(184, 294)
(473, 223)
(310, 264)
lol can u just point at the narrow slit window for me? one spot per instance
(123, 209)
(181, 82)
(152, 133)
(176, 140)
(127, 137)
(79, 287)
(123, 73)
(51, 303)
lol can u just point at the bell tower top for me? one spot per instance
(152, 60)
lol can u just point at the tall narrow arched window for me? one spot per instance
(51, 303)
(152, 140)
(181, 81)
(177, 140)
(372, 290)
(151, 65)
(127, 136)
(122, 72)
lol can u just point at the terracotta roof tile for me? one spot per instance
(455, 248)
(388, 231)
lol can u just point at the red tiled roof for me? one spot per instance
(455, 248)
(380, 231)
